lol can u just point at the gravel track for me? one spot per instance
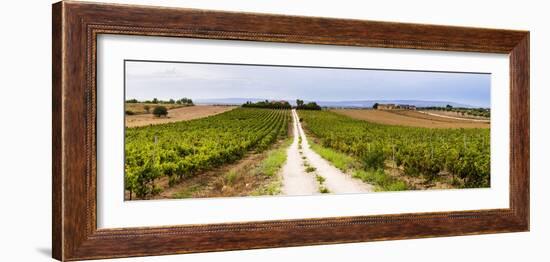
(298, 182)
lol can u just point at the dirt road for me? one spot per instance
(296, 181)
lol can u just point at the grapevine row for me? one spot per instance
(187, 148)
(425, 152)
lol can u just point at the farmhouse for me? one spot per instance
(395, 107)
(407, 107)
(386, 107)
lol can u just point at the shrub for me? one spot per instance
(160, 111)
(374, 159)
(320, 179)
(383, 181)
(230, 177)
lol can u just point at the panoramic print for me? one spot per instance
(199, 130)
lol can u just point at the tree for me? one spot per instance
(185, 101)
(155, 100)
(268, 104)
(147, 108)
(309, 106)
(171, 101)
(312, 106)
(160, 111)
(375, 106)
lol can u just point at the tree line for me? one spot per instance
(282, 105)
(309, 106)
(482, 112)
(182, 101)
(268, 104)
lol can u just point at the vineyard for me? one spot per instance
(187, 148)
(418, 152)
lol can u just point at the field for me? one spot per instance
(455, 114)
(175, 113)
(387, 154)
(259, 151)
(181, 150)
(141, 108)
(202, 130)
(409, 118)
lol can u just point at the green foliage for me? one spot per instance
(339, 160)
(186, 148)
(274, 160)
(346, 163)
(320, 179)
(184, 101)
(383, 181)
(310, 169)
(188, 192)
(159, 111)
(425, 152)
(373, 157)
(129, 113)
(308, 106)
(140, 179)
(273, 188)
(230, 177)
(322, 187)
(465, 111)
(268, 104)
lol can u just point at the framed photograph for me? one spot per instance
(182, 130)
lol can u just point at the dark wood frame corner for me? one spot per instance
(76, 26)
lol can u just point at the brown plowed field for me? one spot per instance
(176, 114)
(408, 118)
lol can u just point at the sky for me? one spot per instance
(164, 80)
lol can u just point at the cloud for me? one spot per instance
(146, 80)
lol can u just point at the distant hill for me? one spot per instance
(370, 103)
(340, 104)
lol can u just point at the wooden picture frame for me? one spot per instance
(76, 26)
